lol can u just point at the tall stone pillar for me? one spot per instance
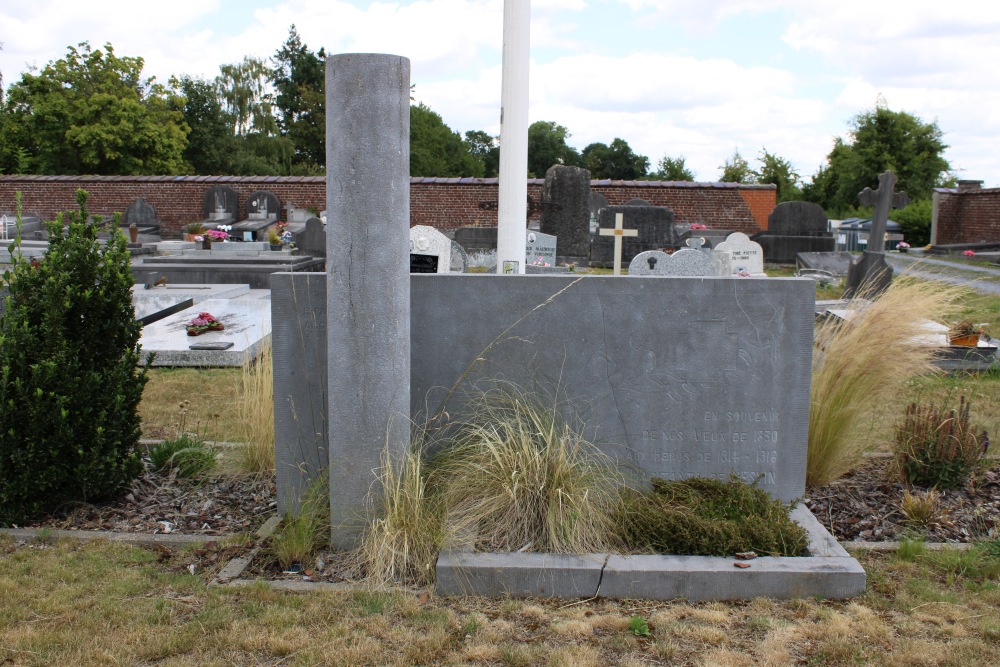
(368, 289)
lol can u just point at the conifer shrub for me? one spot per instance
(70, 383)
(708, 517)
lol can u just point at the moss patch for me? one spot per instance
(708, 517)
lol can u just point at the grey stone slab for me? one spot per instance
(368, 296)
(263, 205)
(655, 225)
(248, 327)
(540, 249)
(684, 262)
(477, 239)
(312, 239)
(140, 214)
(254, 271)
(568, 189)
(159, 305)
(220, 203)
(870, 275)
(536, 269)
(833, 262)
(783, 249)
(519, 574)
(299, 349)
(197, 293)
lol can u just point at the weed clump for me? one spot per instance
(709, 517)
(186, 455)
(937, 446)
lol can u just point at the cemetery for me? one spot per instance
(412, 410)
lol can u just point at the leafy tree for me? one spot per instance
(487, 149)
(737, 170)
(672, 169)
(299, 79)
(211, 141)
(547, 146)
(93, 113)
(916, 221)
(780, 172)
(878, 140)
(69, 382)
(245, 90)
(436, 150)
(616, 161)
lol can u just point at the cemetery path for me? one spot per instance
(949, 272)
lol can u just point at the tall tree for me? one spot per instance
(672, 169)
(736, 169)
(779, 171)
(547, 146)
(299, 80)
(92, 112)
(878, 140)
(617, 161)
(245, 89)
(436, 150)
(485, 148)
(211, 141)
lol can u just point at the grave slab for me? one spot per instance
(833, 262)
(198, 293)
(158, 306)
(248, 327)
(519, 574)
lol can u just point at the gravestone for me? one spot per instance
(597, 202)
(140, 214)
(430, 250)
(871, 274)
(637, 202)
(655, 226)
(312, 239)
(540, 249)
(220, 205)
(569, 189)
(477, 239)
(835, 263)
(747, 256)
(685, 262)
(794, 227)
(459, 259)
(263, 209)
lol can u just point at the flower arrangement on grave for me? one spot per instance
(279, 227)
(540, 262)
(743, 273)
(273, 237)
(969, 253)
(902, 246)
(204, 322)
(219, 234)
(698, 226)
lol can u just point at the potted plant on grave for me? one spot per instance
(204, 322)
(192, 230)
(903, 246)
(964, 334)
(133, 232)
(273, 239)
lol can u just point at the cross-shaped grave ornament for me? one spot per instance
(883, 200)
(618, 232)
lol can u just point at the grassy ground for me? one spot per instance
(111, 604)
(212, 412)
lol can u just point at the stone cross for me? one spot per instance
(618, 232)
(882, 199)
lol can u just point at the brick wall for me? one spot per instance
(445, 203)
(968, 216)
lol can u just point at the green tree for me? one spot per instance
(93, 113)
(70, 383)
(916, 221)
(435, 149)
(878, 140)
(672, 169)
(299, 79)
(245, 89)
(780, 172)
(547, 146)
(211, 141)
(486, 148)
(617, 161)
(737, 170)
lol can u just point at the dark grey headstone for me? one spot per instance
(423, 263)
(569, 189)
(263, 205)
(797, 218)
(781, 249)
(729, 394)
(835, 263)
(221, 203)
(312, 239)
(476, 239)
(869, 276)
(140, 214)
(637, 202)
(597, 202)
(656, 232)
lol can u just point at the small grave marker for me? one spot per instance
(618, 232)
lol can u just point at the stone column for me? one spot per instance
(368, 294)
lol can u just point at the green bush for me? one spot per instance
(69, 382)
(938, 447)
(708, 517)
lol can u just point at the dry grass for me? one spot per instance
(212, 411)
(862, 363)
(256, 406)
(520, 477)
(107, 603)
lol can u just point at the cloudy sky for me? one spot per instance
(671, 77)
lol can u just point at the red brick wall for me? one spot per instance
(969, 216)
(445, 203)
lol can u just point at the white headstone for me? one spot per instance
(747, 256)
(684, 262)
(427, 242)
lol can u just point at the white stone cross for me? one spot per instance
(618, 232)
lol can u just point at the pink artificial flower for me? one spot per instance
(969, 253)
